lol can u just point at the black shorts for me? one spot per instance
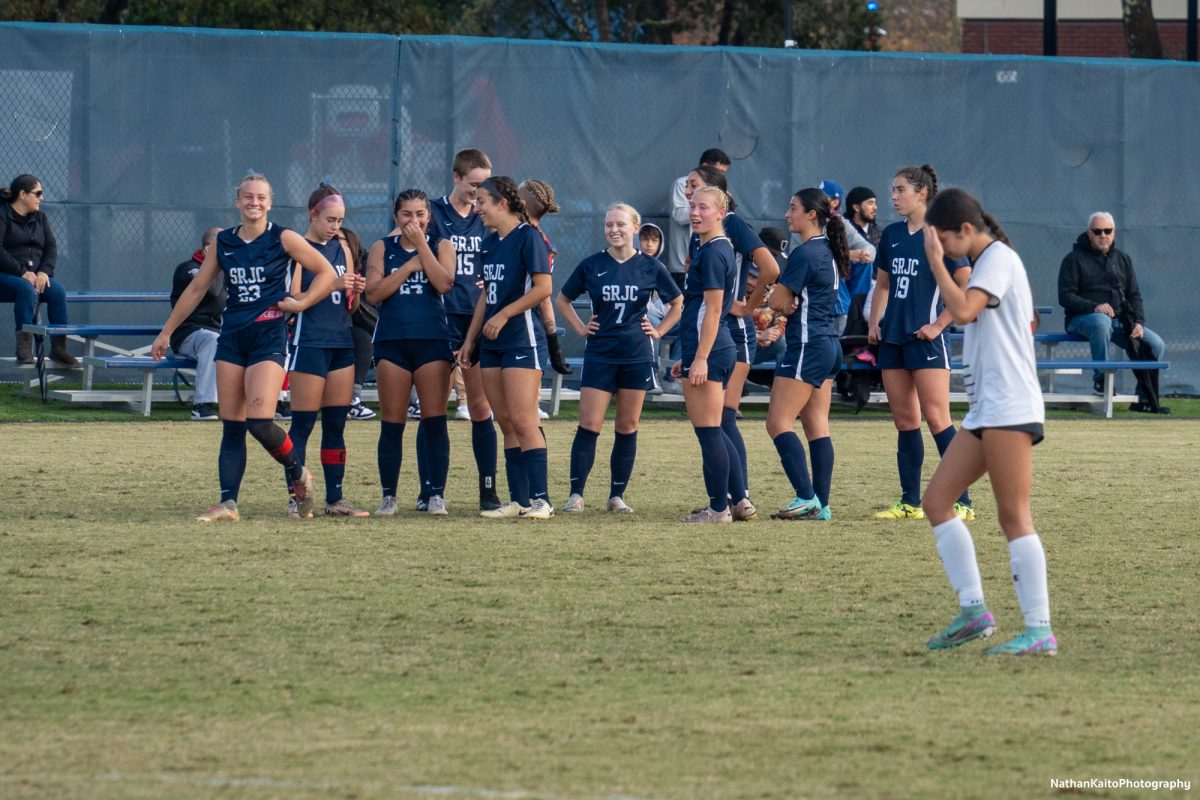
(319, 361)
(255, 343)
(720, 365)
(917, 354)
(412, 354)
(608, 377)
(459, 325)
(1034, 429)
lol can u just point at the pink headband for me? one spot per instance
(326, 202)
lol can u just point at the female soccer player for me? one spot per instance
(907, 320)
(321, 357)
(538, 197)
(619, 358)
(255, 258)
(407, 274)
(807, 292)
(748, 249)
(707, 356)
(512, 351)
(1004, 421)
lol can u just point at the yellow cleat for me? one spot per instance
(901, 510)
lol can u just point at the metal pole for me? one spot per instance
(1049, 27)
(1191, 30)
(788, 41)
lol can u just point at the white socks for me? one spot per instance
(957, 550)
(1028, 561)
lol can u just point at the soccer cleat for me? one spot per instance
(617, 505)
(573, 505)
(799, 508)
(974, 622)
(744, 511)
(1030, 642)
(293, 510)
(706, 515)
(964, 512)
(1098, 387)
(422, 504)
(302, 491)
(387, 508)
(283, 410)
(462, 412)
(824, 515)
(510, 510)
(901, 510)
(359, 411)
(436, 506)
(342, 508)
(223, 512)
(414, 409)
(538, 509)
(205, 411)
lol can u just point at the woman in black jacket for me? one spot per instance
(28, 254)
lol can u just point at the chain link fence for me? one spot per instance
(140, 135)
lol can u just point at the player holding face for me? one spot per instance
(619, 359)
(512, 349)
(907, 320)
(408, 274)
(255, 257)
(321, 356)
(1004, 421)
(807, 292)
(454, 219)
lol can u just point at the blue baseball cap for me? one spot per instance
(832, 189)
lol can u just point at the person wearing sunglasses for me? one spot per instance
(1098, 290)
(28, 254)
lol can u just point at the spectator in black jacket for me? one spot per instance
(1098, 289)
(196, 336)
(28, 254)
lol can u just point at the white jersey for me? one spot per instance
(999, 364)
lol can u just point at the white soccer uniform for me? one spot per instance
(999, 364)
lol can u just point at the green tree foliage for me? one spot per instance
(826, 24)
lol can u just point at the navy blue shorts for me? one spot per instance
(255, 343)
(608, 377)
(720, 364)
(412, 354)
(814, 361)
(459, 325)
(520, 357)
(319, 361)
(1034, 429)
(741, 329)
(915, 355)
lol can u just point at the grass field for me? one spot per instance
(144, 656)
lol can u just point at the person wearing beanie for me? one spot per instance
(861, 209)
(862, 252)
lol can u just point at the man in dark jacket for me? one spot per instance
(1097, 287)
(196, 336)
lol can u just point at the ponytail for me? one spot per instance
(955, 208)
(835, 232)
(994, 227)
(922, 177)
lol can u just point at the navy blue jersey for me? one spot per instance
(327, 322)
(619, 291)
(467, 235)
(914, 299)
(713, 267)
(744, 240)
(256, 274)
(811, 274)
(415, 310)
(508, 266)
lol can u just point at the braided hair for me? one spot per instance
(817, 201)
(955, 207)
(502, 187)
(543, 193)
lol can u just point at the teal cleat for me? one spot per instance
(1030, 642)
(799, 509)
(824, 515)
(975, 622)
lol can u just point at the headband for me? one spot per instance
(331, 200)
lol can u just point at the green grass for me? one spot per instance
(145, 656)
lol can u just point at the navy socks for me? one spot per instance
(391, 448)
(910, 456)
(231, 463)
(714, 453)
(583, 455)
(820, 453)
(943, 440)
(437, 455)
(624, 451)
(791, 455)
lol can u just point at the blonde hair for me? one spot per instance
(628, 209)
(254, 176)
(720, 194)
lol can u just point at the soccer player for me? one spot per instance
(408, 273)
(707, 357)
(807, 293)
(748, 250)
(538, 197)
(453, 218)
(1004, 421)
(512, 350)
(907, 320)
(255, 257)
(321, 356)
(619, 357)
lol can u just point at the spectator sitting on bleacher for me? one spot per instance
(28, 253)
(1099, 291)
(196, 336)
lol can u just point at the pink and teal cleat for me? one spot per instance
(973, 622)
(1030, 642)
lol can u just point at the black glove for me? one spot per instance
(556, 357)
